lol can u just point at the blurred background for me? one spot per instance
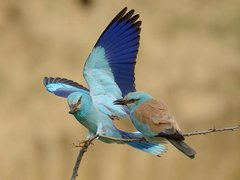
(189, 57)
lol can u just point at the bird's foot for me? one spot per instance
(82, 143)
(114, 117)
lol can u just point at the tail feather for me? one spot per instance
(183, 147)
(153, 148)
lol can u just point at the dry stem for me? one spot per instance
(87, 143)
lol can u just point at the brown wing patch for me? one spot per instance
(157, 116)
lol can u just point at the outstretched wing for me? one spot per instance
(63, 87)
(109, 69)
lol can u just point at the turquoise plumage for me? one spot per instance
(109, 73)
(154, 120)
(109, 69)
(82, 107)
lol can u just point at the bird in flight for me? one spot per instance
(109, 73)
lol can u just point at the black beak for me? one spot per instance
(71, 112)
(120, 102)
(72, 109)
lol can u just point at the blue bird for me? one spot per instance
(109, 73)
(109, 69)
(82, 107)
(154, 120)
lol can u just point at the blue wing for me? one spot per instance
(120, 41)
(111, 64)
(63, 87)
(109, 69)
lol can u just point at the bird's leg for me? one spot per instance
(82, 143)
(90, 135)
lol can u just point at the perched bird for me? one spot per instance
(109, 72)
(154, 120)
(81, 106)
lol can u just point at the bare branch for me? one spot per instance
(211, 130)
(80, 155)
(121, 139)
(193, 133)
(86, 144)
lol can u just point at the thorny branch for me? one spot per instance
(86, 144)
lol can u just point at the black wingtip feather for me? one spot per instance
(45, 81)
(122, 15)
(122, 12)
(118, 16)
(134, 18)
(49, 80)
(128, 15)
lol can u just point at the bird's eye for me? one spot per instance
(132, 100)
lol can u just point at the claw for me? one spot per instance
(82, 143)
(114, 117)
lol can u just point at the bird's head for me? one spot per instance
(74, 102)
(133, 99)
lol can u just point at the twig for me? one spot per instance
(80, 155)
(211, 130)
(193, 133)
(121, 139)
(87, 143)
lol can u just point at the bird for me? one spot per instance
(81, 106)
(109, 68)
(109, 73)
(154, 120)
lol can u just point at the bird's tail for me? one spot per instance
(153, 148)
(183, 147)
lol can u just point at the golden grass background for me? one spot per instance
(189, 57)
